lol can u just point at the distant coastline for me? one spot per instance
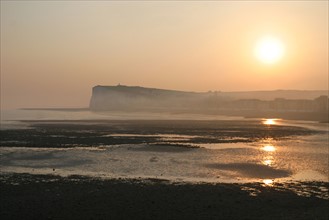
(286, 104)
(311, 106)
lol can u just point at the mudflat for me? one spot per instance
(27, 196)
(87, 133)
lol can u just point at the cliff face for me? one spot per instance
(128, 98)
(139, 98)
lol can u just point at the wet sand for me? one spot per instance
(87, 133)
(26, 196)
(65, 145)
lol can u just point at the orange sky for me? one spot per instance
(53, 53)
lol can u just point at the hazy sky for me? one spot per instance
(54, 52)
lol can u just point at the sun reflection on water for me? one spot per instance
(267, 162)
(270, 121)
(268, 182)
(269, 148)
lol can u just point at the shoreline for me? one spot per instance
(26, 196)
(316, 116)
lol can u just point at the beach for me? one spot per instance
(181, 168)
(25, 196)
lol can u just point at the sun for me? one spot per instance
(269, 50)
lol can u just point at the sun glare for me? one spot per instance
(267, 162)
(268, 182)
(269, 50)
(269, 121)
(268, 148)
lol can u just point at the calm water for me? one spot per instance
(269, 160)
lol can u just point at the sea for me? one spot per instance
(175, 147)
